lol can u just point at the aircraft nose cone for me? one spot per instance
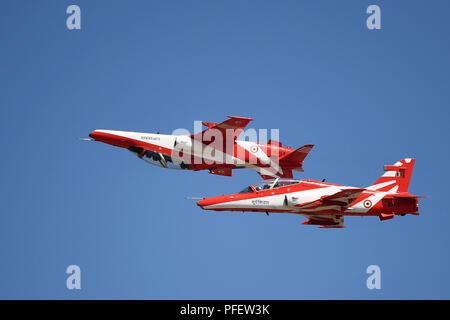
(94, 135)
(201, 203)
(206, 202)
(112, 137)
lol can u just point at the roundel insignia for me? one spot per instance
(254, 149)
(367, 204)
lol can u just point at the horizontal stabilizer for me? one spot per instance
(404, 195)
(296, 157)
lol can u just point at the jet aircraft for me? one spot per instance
(326, 204)
(215, 149)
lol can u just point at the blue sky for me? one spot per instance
(310, 68)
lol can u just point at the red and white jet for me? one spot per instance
(326, 204)
(215, 149)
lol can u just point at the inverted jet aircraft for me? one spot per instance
(215, 149)
(326, 204)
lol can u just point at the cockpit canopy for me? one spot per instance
(269, 184)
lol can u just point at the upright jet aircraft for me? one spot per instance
(215, 149)
(326, 204)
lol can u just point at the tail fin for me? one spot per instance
(296, 157)
(396, 177)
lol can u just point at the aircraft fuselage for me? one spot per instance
(185, 152)
(304, 198)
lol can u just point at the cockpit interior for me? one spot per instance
(269, 184)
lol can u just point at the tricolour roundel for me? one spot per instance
(367, 204)
(254, 149)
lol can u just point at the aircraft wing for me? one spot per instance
(341, 199)
(325, 221)
(230, 128)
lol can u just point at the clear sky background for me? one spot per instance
(310, 68)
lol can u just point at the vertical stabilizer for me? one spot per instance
(396, 177)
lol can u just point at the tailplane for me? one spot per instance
(295, 158)
(396, 177)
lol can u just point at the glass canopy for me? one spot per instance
(270, 184)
